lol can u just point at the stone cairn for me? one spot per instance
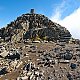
(32, 26)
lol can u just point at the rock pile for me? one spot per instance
(30, 72)
(35, 27)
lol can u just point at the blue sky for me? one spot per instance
(10, 9)
(60, 11)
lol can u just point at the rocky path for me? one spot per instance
(44, 61)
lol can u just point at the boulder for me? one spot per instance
(3, 71)
(66, 56)
(13, 55)
(4, 53)
(73, 66)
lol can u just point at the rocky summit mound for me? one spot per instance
(34, 48)
(33, 27)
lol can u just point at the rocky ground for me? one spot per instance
(34, 48)
(40, 61)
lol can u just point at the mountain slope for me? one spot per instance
(31, 25)
(34, 48)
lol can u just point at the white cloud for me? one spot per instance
(71, 22)
(58, 11)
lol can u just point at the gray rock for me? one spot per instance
(13, 55)
(66, 56)
(3, 71)
(73, 66)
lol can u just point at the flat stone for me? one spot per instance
(4, 53)
(64, 61)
